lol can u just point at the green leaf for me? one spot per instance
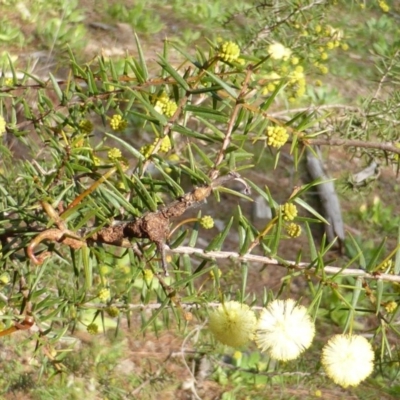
(57, 88)
(178, 191)
(223, 84)
(307, 207)
(142, 60)
(218, 241)
(207, 114)
(127, 146)
(172, 71)
(144, 194)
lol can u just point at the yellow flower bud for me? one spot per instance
(229, 52)
(289, 211)
(114, 154)
(93, 329)
(277, 136)
(207, 222)
(293, 230)
(104, 295)
(117, 123)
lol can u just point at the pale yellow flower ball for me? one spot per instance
(232, 323)
(278, 51)
(348, 359)
(284, 330)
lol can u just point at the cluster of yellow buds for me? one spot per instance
(297, 83)
(212, 274)
(164, 105)
(228, 52)
(386, 266)
(104, 295)
(270, 81)
(323, 69)
(86, 126)
(331, 39)
(390, 306)
(96, 161)
(165, 146)
(277, 136)
(114, 154)
(8, 82)
(207, 222)
(383, 5)
(117, 123)
(148, 275)
(4, 278)
(293, 230)
(289, 211)
(112, 311)
(93, 328)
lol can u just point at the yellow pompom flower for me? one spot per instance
(278, 51)
(289, 211)
(207, 222)
(114, 154)
(2, 126)
(9, 82)
(164, 105)
(5, 278)
(96, 161)
(166, 145)
(147, 150)
(330, 45)
(232, 323)
(390, 307)
(293, 230)
(93, 329)
(348, 359)
(284, 330)
(277, 136)
(229, 52)
(117, 123)
(148, 275)
(104, 295)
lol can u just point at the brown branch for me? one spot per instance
(153, 225)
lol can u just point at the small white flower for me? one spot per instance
(284, 330)
(232, 323)
(278, 51)
(348, 359)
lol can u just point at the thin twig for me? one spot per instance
(330, 270)
(354, 143)
(315, 108)
(222, 152)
